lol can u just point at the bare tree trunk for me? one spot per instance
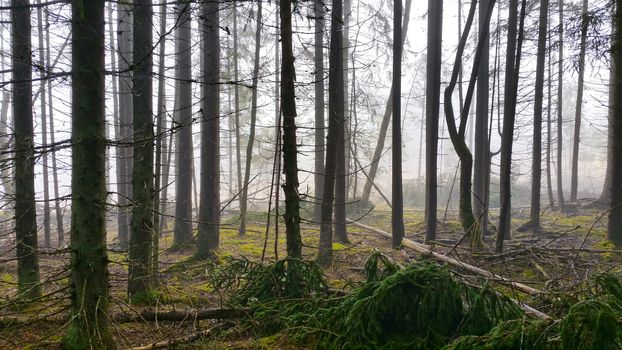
(549, 181)
(209, 206)
(184, 159)
(251, 136)
(290, 151)
(512, 69)
(384, 126)
(25, 208)
(126, 111)
(397, 194)
(89, 286)
(560, 111)
(432, 111)
(605, 195)
(140, 272)
(47, 228)
(166, 166)
(318, 7)
(614, 232)
(574, 178)
(236, 89)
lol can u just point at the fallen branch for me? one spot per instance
(180, 315)
(425, 249)
(175, 341)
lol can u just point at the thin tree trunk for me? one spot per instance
(397, 194)
(139, 281)
(605, 195)
(384, 126)
(512, 69)
(25, 208)
(290, 151)
(209, 206)
(184, 159)
(166, 166)
(115, 122)
(47, 228)
(574, 177)
(560, 111)
(89, 284)
(251, 136)
(347, 134)
(318, 6)
(549, 181)
(432, 111)
(236, 90)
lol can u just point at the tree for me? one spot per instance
(318, 7)
(614, 229)
(209, 205)
(335, 135)
(140, 273)
(536, 158)
(481, 153)
(560, 112)
(574, 177)
(512, 69)
(185, 159)
(89, 261)
(397, 194)
(432, 110)
(290, 148)
(251, 136)
(25, 209)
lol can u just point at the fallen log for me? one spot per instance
(181, 340)
(426, 250)
(179, 315)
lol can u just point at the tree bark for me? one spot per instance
(290, 151)
(614, 229)
(318, 6)
(574, 177)
(140, 272)
(251, 136)
(209, 205)
(560, 111)
(184, 149)
(89, 261)
(432, 111)
(397, 194)
(549, 122)
(25, 208)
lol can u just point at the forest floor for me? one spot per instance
(565, 253)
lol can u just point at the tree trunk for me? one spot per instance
(384, 126)
(319, 107)
(338, 110)
(560, 111)
(89, 261)
(432, 111)
(512, 69)
(536, 158)
(126, 111)
(166, 166)
(481, 170)
(251, 136)
(574, 178)
(209, 206)
(290, 151)
(184, 159)
(25, 209)
(397, 195)
(140, 272)
(605, 195)
(236, 97)
(549, 110)
(614, 231)
(47, 228)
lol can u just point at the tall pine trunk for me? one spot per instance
(318, 6)
(560, 105)
(89, 284)
(614, 232)
(397, 195)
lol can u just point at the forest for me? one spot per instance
(317, 174)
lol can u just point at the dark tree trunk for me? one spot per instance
(574, 177)
(126, 111)
(184, 149)
(251, 136)
(549, 111)
(384, 126)
(432, 111)
(142, 175)
(560, 109)
(605, 195)
(209, 206)
(89, 261)
(614, 232)
(536, 158)
(47, 227)
(319, 107)
(25, 209)
(512, 68)
(236, 97)
(397, 195)
(290, 151)
(481, 165)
